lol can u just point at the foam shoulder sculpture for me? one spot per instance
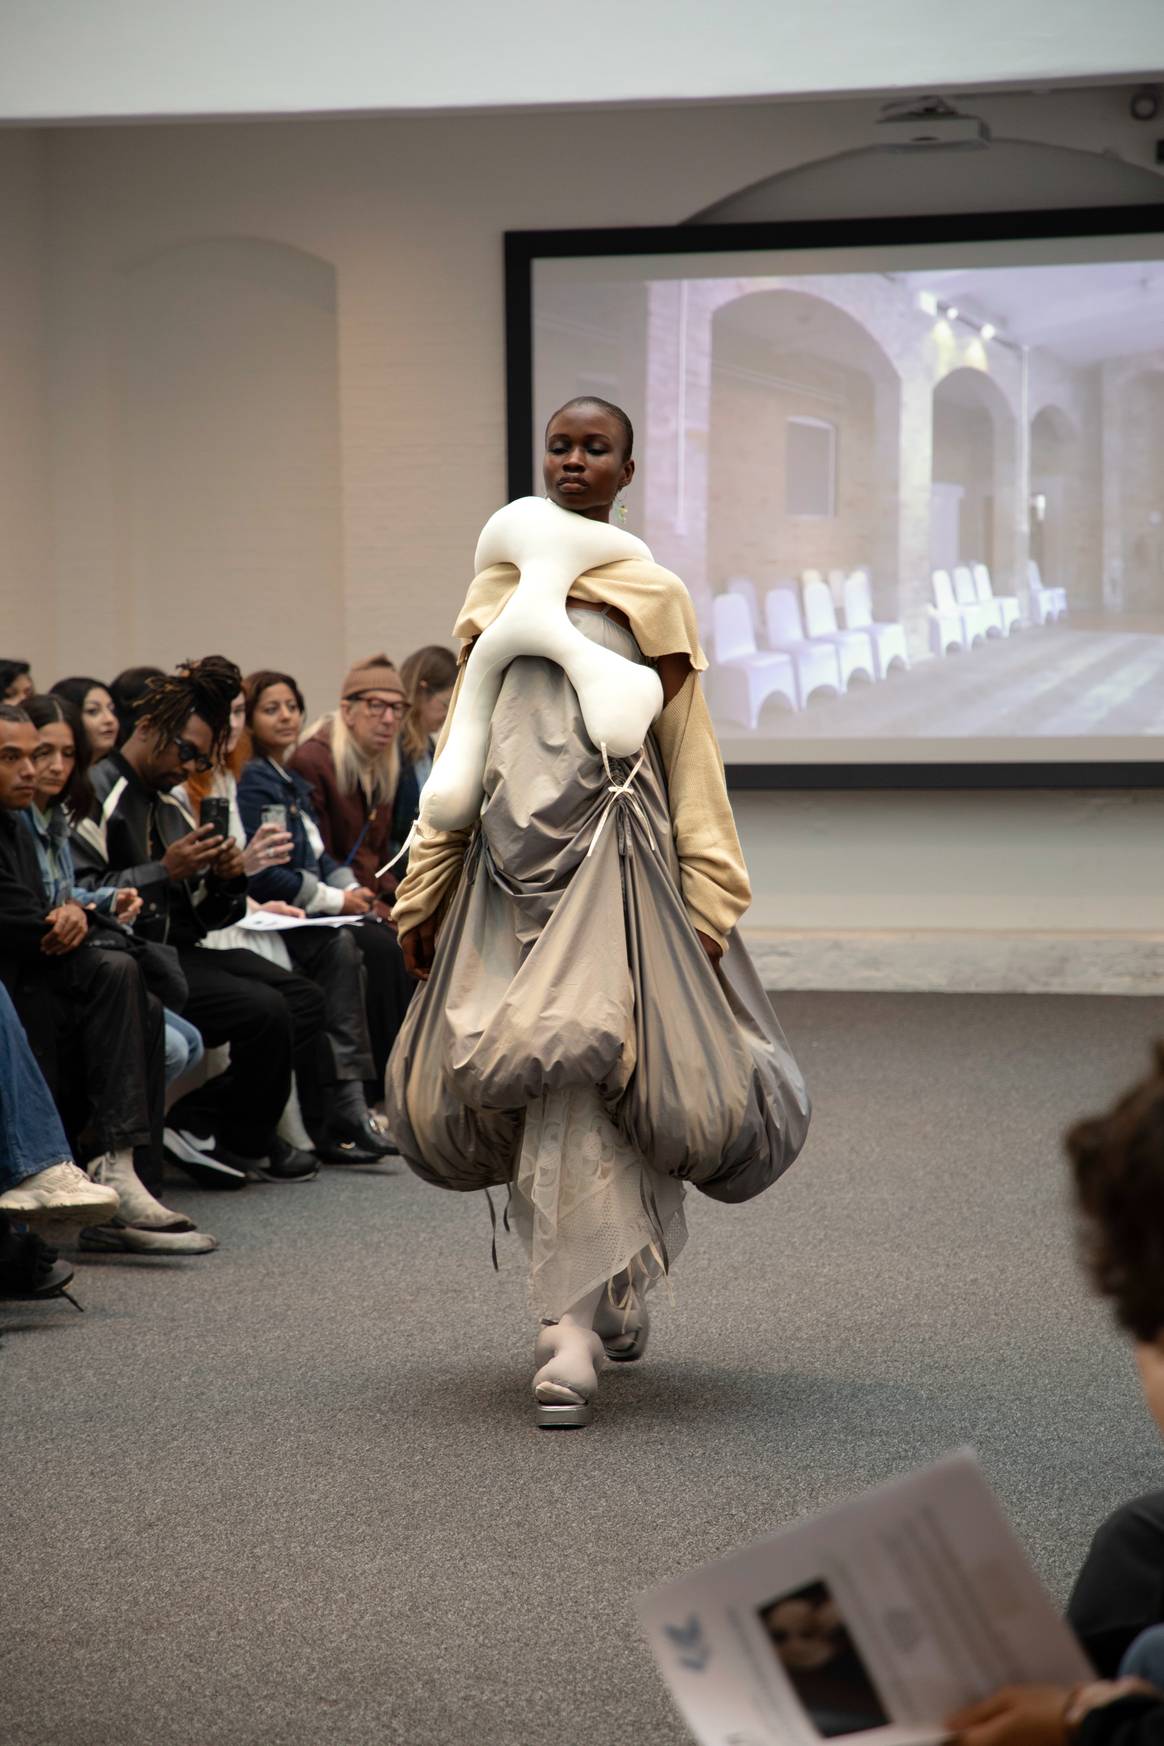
(619, 699)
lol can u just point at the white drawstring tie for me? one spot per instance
(622, 791)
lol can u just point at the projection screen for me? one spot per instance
(912, 473)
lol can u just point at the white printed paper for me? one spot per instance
(876, 1619)
(261, 921)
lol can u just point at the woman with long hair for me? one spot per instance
(95, 703)
(428, 677)
(591, 1033)
(312, 879)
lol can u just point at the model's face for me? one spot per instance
(373, 718)
(276, 721)
(584, 468)
(432, 707)
(100, 720)
(56, 757)
(238, 721)
(18, 743)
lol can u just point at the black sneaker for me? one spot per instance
(283, 1163)
(30, 1270)
(198, 1155)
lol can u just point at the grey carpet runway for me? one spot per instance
(290, 1494)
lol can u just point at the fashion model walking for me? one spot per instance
(592, 1033)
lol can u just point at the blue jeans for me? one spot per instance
(32, 1135)
(184, 1047)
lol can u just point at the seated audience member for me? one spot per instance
(15, 681)
(62, 799)
(95, 1031)
(127, 691)
(351, 763)
(191, 882)
(428, 676)
(39, 1182)
(98, 716)
(1117, 1606)
(314, 882)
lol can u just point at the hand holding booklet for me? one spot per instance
(878, 1618)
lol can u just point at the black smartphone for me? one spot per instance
(216, 812)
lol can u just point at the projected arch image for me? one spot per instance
(802, 483)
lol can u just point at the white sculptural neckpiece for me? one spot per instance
(619, 699)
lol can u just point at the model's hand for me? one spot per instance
(269, 847)
(277, 908)
(127, 905)
(193, 853)
(68, 926)
(418, 946)
(712, 947)
(357, 901)
(228, 863)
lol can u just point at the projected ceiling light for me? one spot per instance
(951, 312)
(988, 330)
(927, 303)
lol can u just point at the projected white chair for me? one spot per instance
(854, 647)
(1046, 603)
(889, 643)
(817, 666)
(984, 589)
(746, 589)
(989, 611)
(836, 580)
(743, 678)
(949, 627)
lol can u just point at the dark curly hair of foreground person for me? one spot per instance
(1118, 1167)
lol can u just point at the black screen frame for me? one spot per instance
(525, 247)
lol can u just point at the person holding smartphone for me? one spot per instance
(192, 881)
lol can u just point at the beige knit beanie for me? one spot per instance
(375, 674)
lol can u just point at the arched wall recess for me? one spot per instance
(230, 493)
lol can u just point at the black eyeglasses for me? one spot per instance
(380, 705)
(189, 754)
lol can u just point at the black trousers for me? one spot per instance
(104, 1057)
(271, 1018)
(1120, 1590)
(389, 990)
(333, 961)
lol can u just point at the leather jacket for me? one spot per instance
(124, 845)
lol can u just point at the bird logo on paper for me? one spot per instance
(694, 1652)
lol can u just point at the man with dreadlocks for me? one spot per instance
(191, 881)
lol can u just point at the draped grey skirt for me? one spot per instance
(566, 963)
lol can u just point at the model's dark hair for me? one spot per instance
(77, 795)
(10, 670)
(256, 683)
(612, 411)
(12, 712)
(204, 688)
(1117, 1163)
(127, 690)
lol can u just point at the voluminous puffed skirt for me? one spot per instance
(573, 1034)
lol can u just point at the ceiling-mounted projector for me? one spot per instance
(928, 124)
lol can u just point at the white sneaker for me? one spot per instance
(61, 1194)
(137, 1205)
